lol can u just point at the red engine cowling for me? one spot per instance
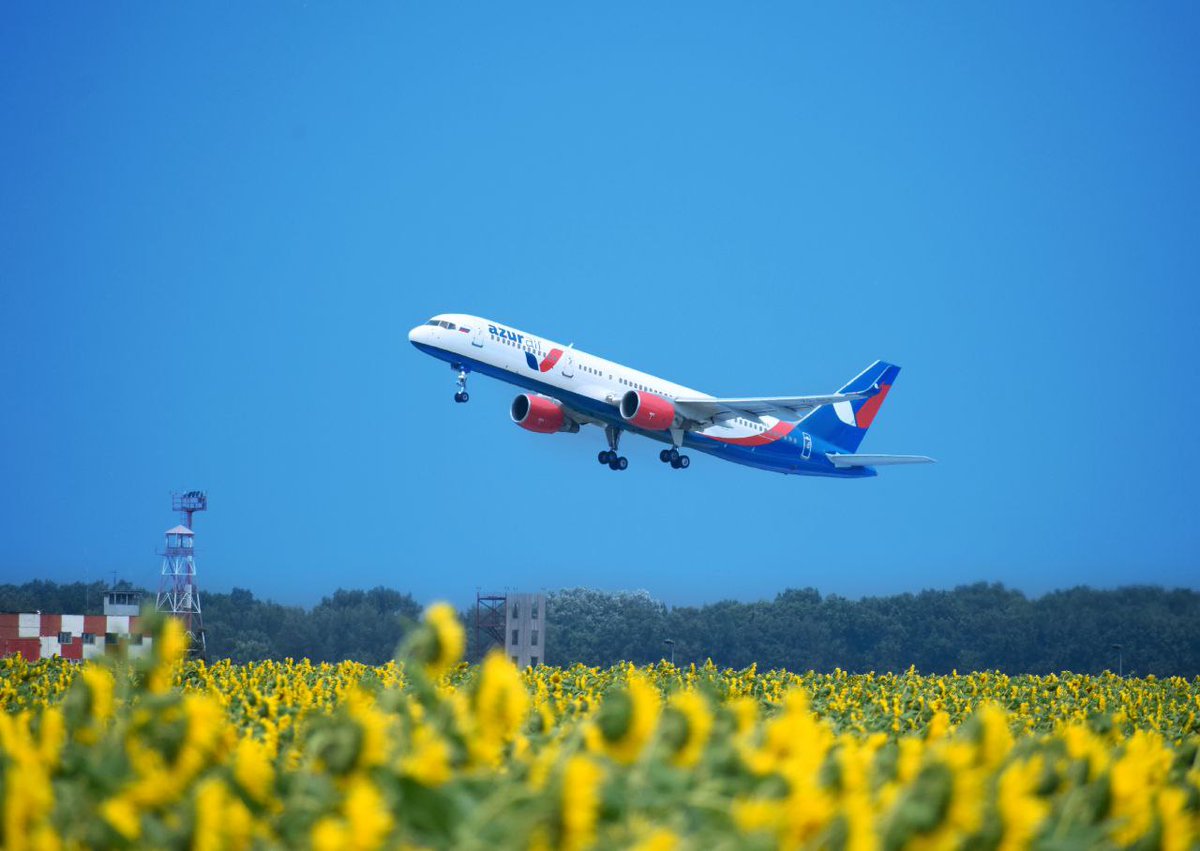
(647, 410)
(539, 414)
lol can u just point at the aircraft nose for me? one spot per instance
(415, 334)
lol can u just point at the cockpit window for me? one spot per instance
(433, 322)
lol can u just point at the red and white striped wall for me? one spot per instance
(38, 636)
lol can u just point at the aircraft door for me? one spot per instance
(569, 367)
(477, 338)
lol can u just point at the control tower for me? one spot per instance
(178, 594)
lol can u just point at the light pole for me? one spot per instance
(671, 642)
(1120, 659)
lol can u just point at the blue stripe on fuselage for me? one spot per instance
(779, 457)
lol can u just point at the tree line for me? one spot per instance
(1145, 630)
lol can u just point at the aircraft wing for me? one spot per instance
(840, 460)
(782, 407)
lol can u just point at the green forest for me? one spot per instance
(1144, 630)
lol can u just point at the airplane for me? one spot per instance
(567, 388)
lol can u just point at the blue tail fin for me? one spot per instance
(846, 423)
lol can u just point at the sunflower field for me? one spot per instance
(428, 752)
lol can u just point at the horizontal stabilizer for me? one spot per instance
(875, 460)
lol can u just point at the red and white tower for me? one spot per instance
(178, 594)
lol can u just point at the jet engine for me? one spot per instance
(541, 415)
(647, 410)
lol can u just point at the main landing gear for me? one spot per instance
(671, 456)
(462, 395)
(610, 456)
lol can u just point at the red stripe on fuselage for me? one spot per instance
(776, 432)
(866, 414)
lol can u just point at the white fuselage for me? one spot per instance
(574, 371)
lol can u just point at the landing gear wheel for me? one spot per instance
(664, 456)
(461, 395)
(675, 463)
(672, 455)
(684, 462)
(610, 456)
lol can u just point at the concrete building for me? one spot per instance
(525, 628)
(122, 603)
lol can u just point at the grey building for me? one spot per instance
(525, 628)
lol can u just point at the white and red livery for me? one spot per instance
(566, 388)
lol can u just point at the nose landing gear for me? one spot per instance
(610, 456)
(461, 395)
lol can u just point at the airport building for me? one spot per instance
(41, 636)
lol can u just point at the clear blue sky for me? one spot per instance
(218, 222)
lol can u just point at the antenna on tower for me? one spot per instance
(188, 504)
(178, 594)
